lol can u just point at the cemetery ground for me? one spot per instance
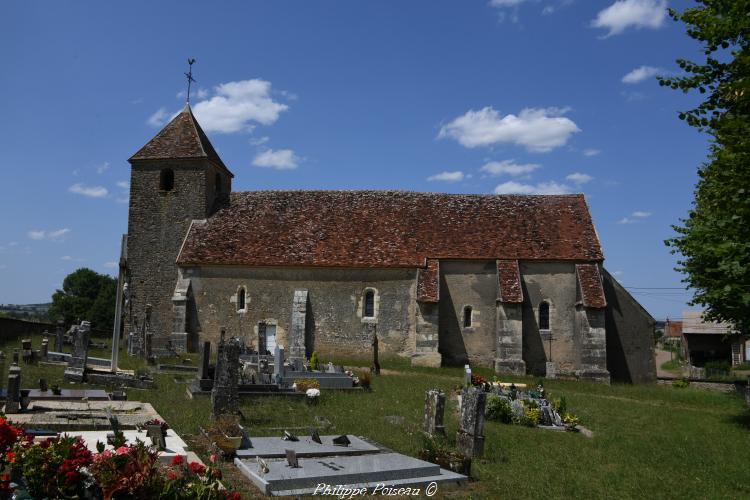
(649, 440)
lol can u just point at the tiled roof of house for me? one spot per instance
(509, 282)
(428, 282)
(390, 229)
(591, 286)
(673, 328)
(181, 138)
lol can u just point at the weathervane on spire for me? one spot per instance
(189, 76)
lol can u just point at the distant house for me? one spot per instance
(711, 341)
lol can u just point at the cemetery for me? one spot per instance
(411, 428)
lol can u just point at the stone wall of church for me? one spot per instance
(468, 284)
(157, 224)
(555, 283)
(630, 335)
(334, 322)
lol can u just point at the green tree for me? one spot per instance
(714, 240)
(86, 295)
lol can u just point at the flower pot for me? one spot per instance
(228, 444)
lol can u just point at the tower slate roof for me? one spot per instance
(390, 229)
(181, 138)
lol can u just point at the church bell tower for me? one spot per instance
(177, 177)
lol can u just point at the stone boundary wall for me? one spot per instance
(728, 387)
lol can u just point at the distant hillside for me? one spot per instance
(28, 312)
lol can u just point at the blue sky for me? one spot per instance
(506, 96)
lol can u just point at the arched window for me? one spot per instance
(369, 304)
(544, 316)
(217, 183)
(166, 179)
(467, 316)
(241, 299)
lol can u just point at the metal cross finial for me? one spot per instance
(189, 76)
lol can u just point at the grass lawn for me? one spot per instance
(650, 441)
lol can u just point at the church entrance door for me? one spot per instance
(271, 338)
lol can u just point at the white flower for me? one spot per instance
(313, 393)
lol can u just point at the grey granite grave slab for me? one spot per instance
(327, 380)
(362, 470)
(69, 395)
(275, 447)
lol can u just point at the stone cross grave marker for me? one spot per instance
(467, 375)
(45, 348)
(77, 363)
(434, 409)
(375, 362)
(59, 333)
(204, 378)
(225, 394)
(470, 435)
(278, 361)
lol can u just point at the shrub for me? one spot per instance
(531, 416)
(559, 405)
(364, 380)
(498, 408)
(314, 361)
(570, 420)
(680, 383)
(477, 380)
(303, 384)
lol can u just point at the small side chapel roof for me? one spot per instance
(181, 138)
(590, 281)
(370, 229)
(509, 282)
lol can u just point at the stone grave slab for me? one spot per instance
(69, 395)
(362, 471)
(174, 443)
(89, 415)
(332, 380)
(275, 447)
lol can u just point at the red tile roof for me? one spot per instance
(428, 282)
(591, 286)
(673, 328)
(390, 229)
(181, 138)
(509, 282)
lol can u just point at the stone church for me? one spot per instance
(511, 282)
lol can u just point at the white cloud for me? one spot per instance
(102, 168)
(260, 140)
(626, 13)
(447, 176)
(236, 104)
(537, 129)
(513, 187)
(591, 152)
(579, 178)
(38, 234)
(636, 216)
(110, 264)
(66, 257)
(641, 73)
(159, 118)
(506, 3)
(280, 159)
(90, 191)
(509, 167)
(617, 273)
(123, 185)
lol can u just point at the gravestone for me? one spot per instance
(298, 364)
(278, 361)
(546, 415)
(375, 362)
(204, 377)
(59, 333)
(26, 349)
(330, 368)
(467, 375)
(434, 409)
(297, 346)
(225, 395)
(13, 398)
(77, 363)
(45, 348)
(551, 369)
(470, 435)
